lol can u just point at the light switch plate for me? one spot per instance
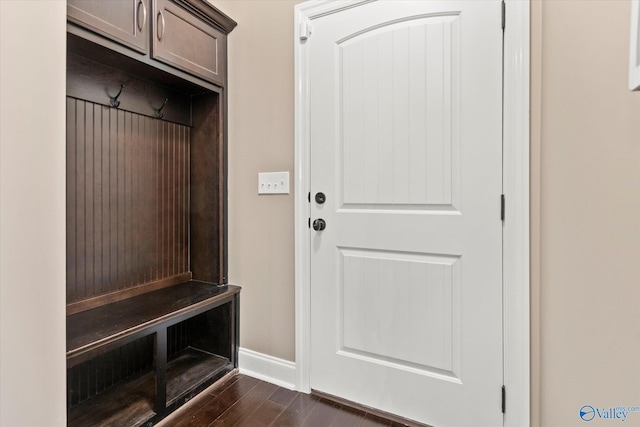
(273, 183)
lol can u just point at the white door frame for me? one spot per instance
(516, 325)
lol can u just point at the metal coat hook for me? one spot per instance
(114, 99)
(159, 113)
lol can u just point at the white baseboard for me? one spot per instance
(267, 368)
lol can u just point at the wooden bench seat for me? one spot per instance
(100, 329)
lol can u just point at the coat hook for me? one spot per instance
(114, 99)
(159, 113)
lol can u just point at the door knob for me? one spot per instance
(320, 198)
(319, 224)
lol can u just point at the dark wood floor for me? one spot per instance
(246, 401)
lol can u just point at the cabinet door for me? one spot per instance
(123, 21)
(188, 43)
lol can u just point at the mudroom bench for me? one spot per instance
(168, 333)
(151, 318)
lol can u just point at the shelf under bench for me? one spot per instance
(131, 403)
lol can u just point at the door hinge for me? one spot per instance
(504, 399)
(502, 207)
(309, 222)
(305, 30)
(309, 197)
(504, 14)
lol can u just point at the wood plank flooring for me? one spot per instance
(247, 402)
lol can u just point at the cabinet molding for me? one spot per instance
(213, 16)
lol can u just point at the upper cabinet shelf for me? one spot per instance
(188, 35)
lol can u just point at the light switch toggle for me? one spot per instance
(273, 183)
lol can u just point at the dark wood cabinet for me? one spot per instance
(195, 43)
(151, 319)
(123, 21)
(185, 42)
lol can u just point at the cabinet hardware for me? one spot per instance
(143, 14)
(160, 29)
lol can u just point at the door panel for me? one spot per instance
(406, 143)
(399, 87)
(413, 324)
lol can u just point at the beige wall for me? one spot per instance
(32, 214)
(261, 140)
(585, 211)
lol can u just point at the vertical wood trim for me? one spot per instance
(148, 197)
(155, 190)
(220, 113)
(172, 198)
(88, 199)
(187, 217)
(187, 201)
(97, 199)
(206, 198)
(135, 170)
(71, 200)
(163, 199)
(106, 197)
(178, 188)
(121, 201)
(113, 195)
(129, 219)
(80, 200)
(160, 364)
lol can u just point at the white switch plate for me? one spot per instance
(273, 183)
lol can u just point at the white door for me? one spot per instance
(406, 145)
